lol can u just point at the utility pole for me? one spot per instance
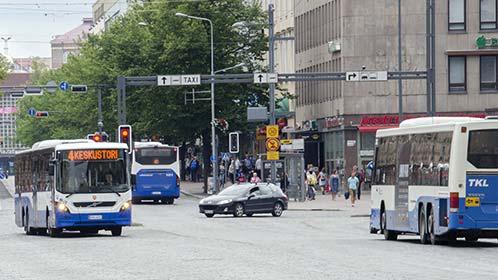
(100, 121)
(400, 61)
(271, 68)
(431, 57)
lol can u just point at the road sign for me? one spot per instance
(352, 76)
(272, 144)
(366, 76)
(51, 87)
(64, 85)
(163, 80)
(213, 159)
(292, 145)
(265, 78)
(272, 155)
(272, 131)
(32, 112)
(178, 80)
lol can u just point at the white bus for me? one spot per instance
(438, 178)
(155, 172)
(75, 185)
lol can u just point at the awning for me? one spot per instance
(373, 129)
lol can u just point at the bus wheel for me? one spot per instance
(27, 229)
(54, 232)
(422, 227)
(388, 234)
(430, 229)
(117, 231)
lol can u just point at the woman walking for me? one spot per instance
(334, 184)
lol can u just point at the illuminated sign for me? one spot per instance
(82, 155)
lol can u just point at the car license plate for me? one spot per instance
(156, 193)
(472, 202)
(209, 211)
(95, 217)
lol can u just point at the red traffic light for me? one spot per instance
(125, 136)
(97, 138)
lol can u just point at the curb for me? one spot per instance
(191, 194)
(316, 209)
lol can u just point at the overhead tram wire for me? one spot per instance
(38, 4)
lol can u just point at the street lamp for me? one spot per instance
(230, 68)
(213, 128)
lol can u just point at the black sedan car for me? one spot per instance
(245, 199)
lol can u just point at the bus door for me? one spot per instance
(401, 190)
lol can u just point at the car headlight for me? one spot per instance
(202, 201)
(61, 207)
(226, 201)
(125, 206)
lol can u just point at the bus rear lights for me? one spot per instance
(125, 206)
(454, 202)
(460, 219)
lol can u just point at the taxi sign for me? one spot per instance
(272, 155)
(272, 144)
(472, 202)
(272, 131)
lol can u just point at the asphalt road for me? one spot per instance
(176, 242)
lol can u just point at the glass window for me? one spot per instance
(488, 14)
(457, 73)
(488, 73)
(367, 141)
(155, 155)
(483, 148)
(456, 15)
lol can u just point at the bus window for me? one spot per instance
(483, 148)
(156, 155)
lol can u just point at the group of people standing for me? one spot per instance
(321, 181)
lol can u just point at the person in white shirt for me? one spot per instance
(259, 166)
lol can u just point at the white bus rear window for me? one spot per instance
(483, 148)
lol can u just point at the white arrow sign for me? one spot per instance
(265, 78)
(178, 80)
(366, 76)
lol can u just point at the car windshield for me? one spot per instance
(234, 190)
(92, 176)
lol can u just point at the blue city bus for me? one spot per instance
(437, 178)
(155, 172)
(73, 185)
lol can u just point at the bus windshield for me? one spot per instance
(483, 148)
(100, 175)
(155, 155)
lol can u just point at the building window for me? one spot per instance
(456, 15)
(367, 141)
(488, 14)
(457, 73)
(488, 73)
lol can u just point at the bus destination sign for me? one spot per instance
(101, 154)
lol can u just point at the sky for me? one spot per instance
(33, 23)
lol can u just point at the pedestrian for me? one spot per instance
(187, 169)
(311, 181)
(284, 182)
(255, 179)
(222, 175)
(259, 166)
(322, 180)
(353, 183)
(334, 184)
(361, 178)
(194, 165)
(231, 171)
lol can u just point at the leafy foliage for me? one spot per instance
(4, 67)
(161, 44)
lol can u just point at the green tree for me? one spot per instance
(4, 67)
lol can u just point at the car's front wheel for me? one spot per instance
(238, 210)
(209, 215)
(278, 209)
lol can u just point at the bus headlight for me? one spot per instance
(61, 207)
(125, 206)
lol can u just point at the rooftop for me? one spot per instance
(75, 35)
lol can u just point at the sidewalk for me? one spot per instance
(322, 202)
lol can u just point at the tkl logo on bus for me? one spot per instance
(478, 183)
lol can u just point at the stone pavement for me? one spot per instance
(322, 202)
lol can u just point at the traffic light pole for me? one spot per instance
(271, 67)
(100, 121)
